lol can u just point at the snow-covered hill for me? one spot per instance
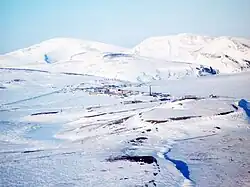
(75, 130)
(56, 50)
(63, 127)
(93, 58)
(228, 54)
(158, 58)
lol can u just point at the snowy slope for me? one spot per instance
(158, 58)
(72, 113)
(93, 58)
(57, 50)
(62, 129)
(228, 54)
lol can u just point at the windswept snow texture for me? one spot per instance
(99, 115)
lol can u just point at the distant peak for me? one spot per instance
(66, 44)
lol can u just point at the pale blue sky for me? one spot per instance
(120, 22)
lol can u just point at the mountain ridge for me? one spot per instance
(156, 58)
(230, 51)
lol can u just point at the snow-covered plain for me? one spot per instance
(79, 113)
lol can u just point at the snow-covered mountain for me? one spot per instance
(63, 127)
(56, 50)
(156, 58)
(228, 54)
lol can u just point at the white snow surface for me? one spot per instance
(228, 54)
(157, 58)
(87, 117)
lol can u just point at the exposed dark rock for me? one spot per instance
(156, 121)
(139, 159)
(153, 182)
(95, 115)
(187, 97)
(235, 107)
(138, 140)
(224, 113)
(44, 113)
(232, 59)
(18, 80)
(213, 96)
(183, 118)
(32, 151)
(172, 119)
